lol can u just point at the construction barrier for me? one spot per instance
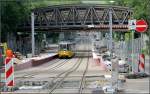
(96, 59)
(124, 49)
(9, 72)
(141, 67)
(99, 61)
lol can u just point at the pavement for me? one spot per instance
(137, 86)
(147, 64)
(34, 61)
(141, 85)
(39, 57)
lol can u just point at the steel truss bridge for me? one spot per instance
(79, 17)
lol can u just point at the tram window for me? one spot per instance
(63, 47)
(68, 47)
(72, 47)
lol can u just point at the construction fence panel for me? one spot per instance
(124, 49)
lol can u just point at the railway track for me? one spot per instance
(57, 81)
(33, 73)
(39, 67)
(83, 79)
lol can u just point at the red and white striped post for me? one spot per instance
(96, 59)
(9, 72)
(99, 61)
(141, 66)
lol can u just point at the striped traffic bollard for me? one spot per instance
(141, 66)
(102, 65)
(96, 59)
(9, 72)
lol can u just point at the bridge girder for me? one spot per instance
(79, 17)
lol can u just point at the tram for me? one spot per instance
(66, 49)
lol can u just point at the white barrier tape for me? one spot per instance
(8, 65)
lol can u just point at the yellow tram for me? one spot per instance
(66, 49)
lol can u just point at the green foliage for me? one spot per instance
(141, 9)
(43, 3)
(128, 36)
(12, 13)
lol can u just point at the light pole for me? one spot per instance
(110, 30)
(114, 61)
(110, 26)
(0, 21)
(33, 39)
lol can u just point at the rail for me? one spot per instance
(65, 73)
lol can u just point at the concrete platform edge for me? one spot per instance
(33, 63)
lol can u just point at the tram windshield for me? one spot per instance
(64, 47)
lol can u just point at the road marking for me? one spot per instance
(141, 25)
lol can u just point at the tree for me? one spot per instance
(12, 13)
(141, 10)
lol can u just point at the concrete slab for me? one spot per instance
(137, 85)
